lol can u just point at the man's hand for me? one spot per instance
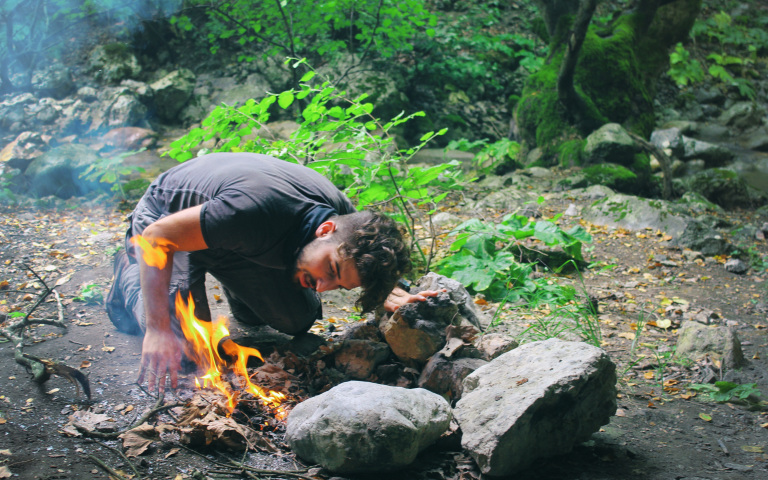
(160, 356)
(400, 297)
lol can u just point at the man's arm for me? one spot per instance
(161, 349)
(400, 297)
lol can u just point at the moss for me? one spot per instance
(117, 51)
(609, 81)
(610, 75)
(569, 153)
(614, 176)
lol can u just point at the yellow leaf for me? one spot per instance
(752, 448)
(664, 323)
(108, 349)
(649, 375)
(706, 417)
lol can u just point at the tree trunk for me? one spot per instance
(566, 92)
(598, 74)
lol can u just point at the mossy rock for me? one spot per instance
(614, 176)
(723, 187)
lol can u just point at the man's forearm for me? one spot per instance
(155, 285)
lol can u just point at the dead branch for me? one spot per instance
(106, 468)
(42, 369)
(663, 160)
(159, 407)
(245, 468)
(122, 455)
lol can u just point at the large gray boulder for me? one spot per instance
(536, 401)
(57, 172)
(712, 154)
(55, 81)
(172, 92)
(721, 342)
(669, 139)
(635, 213)
(721, 186)
(359, 427)
(111, 63)
(610, 143)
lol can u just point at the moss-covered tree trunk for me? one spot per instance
(598, 74)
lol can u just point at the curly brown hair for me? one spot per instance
(375, 243)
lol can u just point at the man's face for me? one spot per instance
(321, 267)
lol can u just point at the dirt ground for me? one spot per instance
(672, 433)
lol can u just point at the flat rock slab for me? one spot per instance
(536, 401)
(359, 427)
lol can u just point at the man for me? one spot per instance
(272, 232)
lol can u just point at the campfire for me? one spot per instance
(208, 345)
(205, 343)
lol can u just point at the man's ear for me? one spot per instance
(326, 228)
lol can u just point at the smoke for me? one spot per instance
(38, 32)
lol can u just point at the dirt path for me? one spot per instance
(657, 433)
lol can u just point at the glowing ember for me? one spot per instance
(203, 339)
(153, 255)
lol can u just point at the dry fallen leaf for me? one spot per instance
(5, 472)
(85, 364)
(173, 451)
(137, 440)
(6, 452)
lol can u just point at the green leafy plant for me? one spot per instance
(339, 137)
(489, 157)
(683, 68)
(90, 294)
(488, 256)
(113, 171)
(733, 65)
(728, 391)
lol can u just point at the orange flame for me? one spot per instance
(203, 340)
(154, 255)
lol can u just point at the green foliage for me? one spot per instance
(90, 294)
(727, 391)
(340, 138)
(471, 53)
(486, 260)
(113, 171)
(489, 157)
(311, 29)
(683, 68)
(733, 65)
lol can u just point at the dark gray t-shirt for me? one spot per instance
(254, 206)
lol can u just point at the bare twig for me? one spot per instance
(106, 468)
(245, 468)
(122, 455)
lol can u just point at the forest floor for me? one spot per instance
(662, 429)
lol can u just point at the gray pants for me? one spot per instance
(257, 295)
